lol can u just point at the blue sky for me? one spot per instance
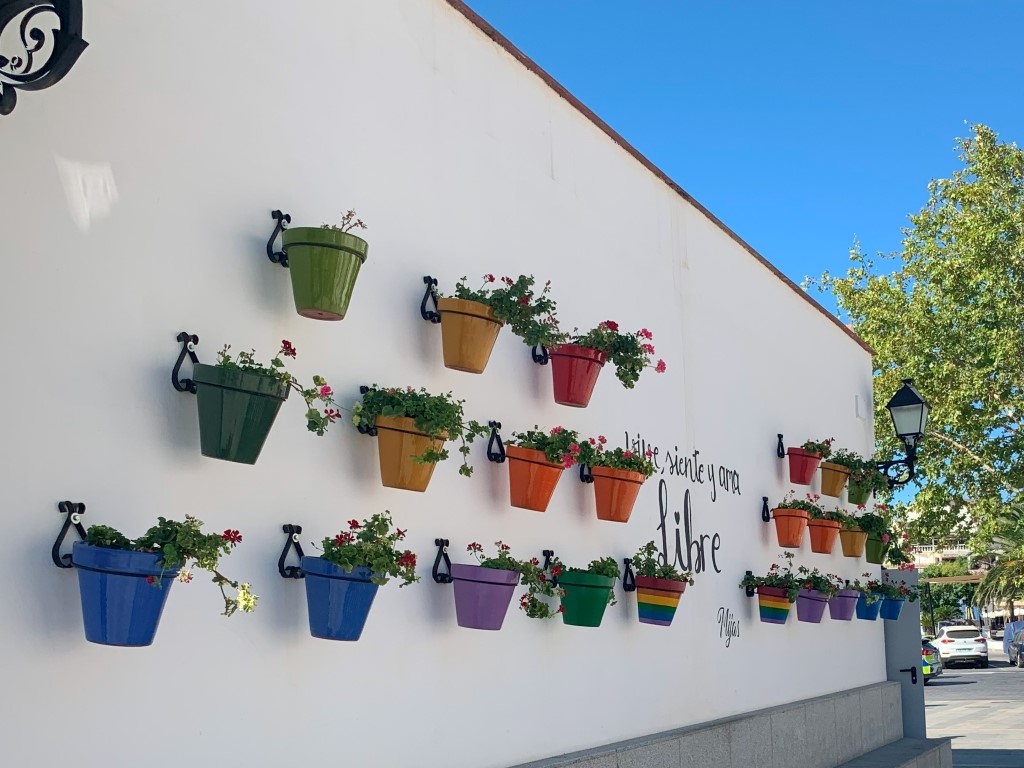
(802, 125)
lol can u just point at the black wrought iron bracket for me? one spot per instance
(283, 220)
(366, 429)
(72, 512)
(539, 353)
(585, 475)
(430, 295)
(780, 449)
(628, 577)
(899, 471)
(751, 591)
(442, 554)
(291, 571)
(913, 674)
(766, 515)
(188, 341)
(495, 448)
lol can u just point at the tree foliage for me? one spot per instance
(944, 600)
(948, 311)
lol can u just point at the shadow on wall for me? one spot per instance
(985, 758)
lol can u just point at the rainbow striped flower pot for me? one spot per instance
(657, 599)
(773, 604)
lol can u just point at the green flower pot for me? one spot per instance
(236, 411)
(586, 597)
(874, 550)
(324, 264)
(858, 494)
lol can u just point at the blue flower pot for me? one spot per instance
(119, 605)
(891, 609)
(865, 611)
(338, 602)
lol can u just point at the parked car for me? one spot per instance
(961, 645)
(1015, 654)
(930, 664)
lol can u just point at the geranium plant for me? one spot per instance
(872, 524)
(372, 543)
(809, 504)
(531, 575)
(895, 590)
(316, 420)
(837, 515)
(183, 545)
(560, 445)
(821, 447)
(863, 472)
(816, 580)
(529, 314)
(647, 563)
(779, 577)
(602, 566)
(869, 589)
(347, 224)
(593, 453)
(630, 353)
(440, 417)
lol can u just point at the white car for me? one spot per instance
(961, 645)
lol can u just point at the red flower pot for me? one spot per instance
(802, 465)
(574, 371)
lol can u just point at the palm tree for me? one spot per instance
(1005, 580)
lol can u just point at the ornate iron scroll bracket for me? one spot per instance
(188, 347)
(548, 554)
(442, 555)
(899, 471)
(366, 429)
(780, 449)
(766, 515)
(283, 220)
(73, 512)
(585, 475)
(43, 41)
(291, 571)
(751, 591)
(430, 296)
(495, 448)
(539, 353)
(628, 577)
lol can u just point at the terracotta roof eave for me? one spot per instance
(532, 66)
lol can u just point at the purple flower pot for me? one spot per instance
(482, 595)
(842, 606)
(810, 606)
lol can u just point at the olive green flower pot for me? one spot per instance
(858, 494)
(586, 597)
(324, 264)
(236, 411)
(874, 550)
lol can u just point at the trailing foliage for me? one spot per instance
(371, 544)
(593, 453)
(532, 575)
(779, 577)
(528, 314)
(560, 445)
(630, 353)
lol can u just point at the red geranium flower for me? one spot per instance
(354, 525)
(231, 537)
(660, 367)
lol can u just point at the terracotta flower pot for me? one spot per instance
(657, 599)
(615, 491)
(773, 605)
(398, 441)
(823, 535)
(842, 606)
(789, 526)
(875, 550)
(531, 478)
(574, 371)
(853, 542)
(833, 478)
(858, 494)
(810, 606)
(468, 332)
(802, 465)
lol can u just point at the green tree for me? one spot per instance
(943, 600)
(948, 311)
(1005, 579)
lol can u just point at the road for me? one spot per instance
(982, 710)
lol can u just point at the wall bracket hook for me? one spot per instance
(430, 295)
(766, 515)
(283, 220)
(780, 449)
(628, 577)
(442, 554)
(539, 353)
(585, 474)
(913, 674)
(751, 591)
(73, 512)
(188, 341)
(291, 571)
(366, 429)
(495, 448)
(546, 566)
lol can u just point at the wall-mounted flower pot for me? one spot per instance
(843, 605)
(338, 601)
(789, 526)
(891, 609)
(810, 606)
(574, 371)
(531, 478)
(874, 551)
(802, 465)
(853, 542)
(324, 265)
(866, 611)
(236, 411)
(823, 535)
(482, 595)
(123, 593)
(398, 441)
(586, 597)
(615, 492)
(657, 599)
(858, 494)
(773, 605)
(468, 332)
(833, 478)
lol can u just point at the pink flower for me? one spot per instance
(649, 453)
(648, 348)
(627, 454)
(660, 367)
(645, 334)
(326, 391)
(556, 431)
(574, 447)
(593, 441)
(567, 460)
(602, 439)
(885, 538)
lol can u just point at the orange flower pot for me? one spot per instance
(615, 491)
(789, 526)
(468, 331)
(531, 478)
(853, 542)
(833, 478)
(398, 441)
(823, 535)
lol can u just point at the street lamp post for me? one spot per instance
(909, 412)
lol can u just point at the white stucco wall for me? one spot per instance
(210, 114)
